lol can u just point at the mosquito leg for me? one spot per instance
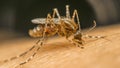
(51, 21)
(67, 12)
(95, 37)
(15, 57)
(55, 12)
(39, 42)
(71, 42)
(79, 43)
(22, 54)
(76, 43)
(32, 56)
(75, 13)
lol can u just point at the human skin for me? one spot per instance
(59, 53)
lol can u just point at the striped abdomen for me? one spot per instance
(38, 31)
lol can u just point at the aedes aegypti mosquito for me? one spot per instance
(64, 26)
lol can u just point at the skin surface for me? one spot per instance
(59, 53)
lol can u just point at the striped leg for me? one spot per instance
(15, 57)
(67, 12)
(75, 14)
(39, 43)
(97, 37)
(55, 12)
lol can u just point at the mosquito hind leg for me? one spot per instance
(39, 43)
(22, 54)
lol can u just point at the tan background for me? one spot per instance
(59, 53)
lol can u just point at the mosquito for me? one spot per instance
(64, 26)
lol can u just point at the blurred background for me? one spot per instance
(16, 15)
(15, 21)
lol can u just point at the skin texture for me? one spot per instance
(59, 53)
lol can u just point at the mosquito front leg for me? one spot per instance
(94, 37)
(70, 41)
(80, 43)
(76, 42)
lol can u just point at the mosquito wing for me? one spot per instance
(43, 20)
(39, 20)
